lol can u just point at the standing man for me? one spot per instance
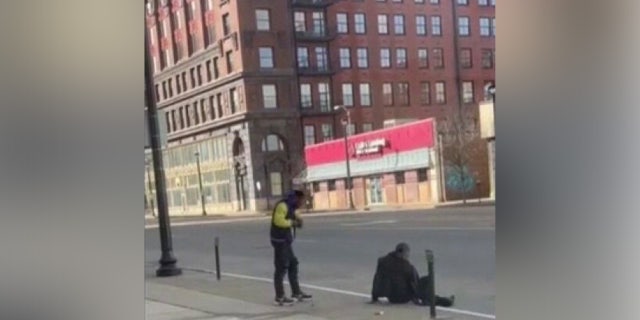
(284, 220)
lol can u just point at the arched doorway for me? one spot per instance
(276, 167)
(240, 170)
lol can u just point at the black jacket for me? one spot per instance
(395, 278)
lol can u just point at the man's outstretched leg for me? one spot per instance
(293, 278)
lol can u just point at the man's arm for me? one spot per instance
(376, 290)
(280, 216)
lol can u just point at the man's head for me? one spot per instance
(402, 250)
(296, 198)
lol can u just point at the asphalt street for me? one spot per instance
(340, 252)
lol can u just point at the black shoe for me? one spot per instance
(284, 301)
(302, 296)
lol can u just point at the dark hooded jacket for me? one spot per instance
(395, 278)
(282, 217)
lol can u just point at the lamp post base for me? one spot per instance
(168, 271)
(168, 266)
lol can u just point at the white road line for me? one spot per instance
(429, 228)
(332, 290)
(219, 221)
(369, 223)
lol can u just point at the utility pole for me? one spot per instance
(167, 261)
(347, 124)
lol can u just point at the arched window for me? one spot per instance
(272, 143)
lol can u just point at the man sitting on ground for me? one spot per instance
(397, 280)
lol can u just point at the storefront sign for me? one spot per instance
(370, 147)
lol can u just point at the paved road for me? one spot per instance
(340, 251)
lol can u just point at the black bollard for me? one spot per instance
(217, 252)
(432, 285)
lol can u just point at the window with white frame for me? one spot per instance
(325, 96)
(385, 58)
(345, 58)
(463, 2)
(318, 22)
(401, 58)
(363, 58)
(347, 94)
(366, 127)
(303, 57)
(398, 24)
(403, 94)
(421, 25)
(266, 57)
(322, 59)
(441, 95)
(342, 20)
(327, 132)
(467, 92)
(360, 23)
(485, 27)
(383, 24)
(365, 94)
(463, 26)
(263, 19)
(309, 135)
(306, 100)
(387, 94)
(483, 3)
(269, 96)
(423, 58)
(436, 26)
(300, 21)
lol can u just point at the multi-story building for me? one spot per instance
(225, 80)
(391, 59)
(244, 85)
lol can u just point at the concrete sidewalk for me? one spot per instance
(197, 295)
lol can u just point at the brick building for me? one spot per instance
(392, 166)
(247, 84)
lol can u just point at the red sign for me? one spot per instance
(407, 137)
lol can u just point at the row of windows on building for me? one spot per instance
(397, 94)
(398, 24)
(197, 16)
(203, 110)
(424, 58)
(422, 176)
(199, 75)
(224, 104)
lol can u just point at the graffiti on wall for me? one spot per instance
(459, 179)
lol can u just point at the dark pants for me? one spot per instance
(285, 262)
(423, 295)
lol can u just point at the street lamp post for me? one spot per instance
(346, 153)
(204, 210)
(150, 186)
(167, 261)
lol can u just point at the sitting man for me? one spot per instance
(397, 280)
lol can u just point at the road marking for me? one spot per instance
(304, 215)
(339, 291)
(429, 229)
(369, 223)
